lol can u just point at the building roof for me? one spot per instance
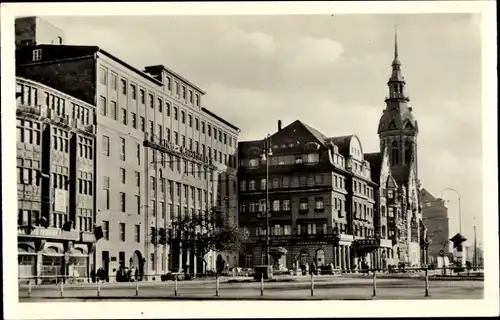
(170, 71)
(318, 135)
(375, 160)
(342, 142)
(213, 115)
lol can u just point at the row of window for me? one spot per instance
(284, 182)
(180, 90)
(152, 208)
(218, 134)
(226, 159)
(28, 95)
(362, 188)
(28, 131)
(280, 160)
(56, 220)
(362, 211)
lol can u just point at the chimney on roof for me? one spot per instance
(279, 125)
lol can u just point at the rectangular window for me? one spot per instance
(124, 116)
(197, 124)
(106, 199)
(37, 54)
(303, 204)
(167, 109)
(105, 231)
(190, 121)
(122, 149)
(102, 106)
(123, 86)
(105, 145)
(160, 105)
(122, 201)
(138, 153)
(319, 203)
(134, 120)
(123, 175)
(103, 75)
(134, 91)
(122, 232)
(183, 117)
(197, 99)
(137, 233)
(113, 81)
(138, 204)
(143, 124)
(151, 101)
(142, 96)
(113, 113)
(286, 205)
(176, 115)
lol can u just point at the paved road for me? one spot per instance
(324, 288)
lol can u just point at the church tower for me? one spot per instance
(397, 128)
(398, 132)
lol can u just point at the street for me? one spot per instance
(327, 288)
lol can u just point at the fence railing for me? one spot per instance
(86, 287)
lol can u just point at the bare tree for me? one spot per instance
(202, 233)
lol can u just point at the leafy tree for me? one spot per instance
(202, 233)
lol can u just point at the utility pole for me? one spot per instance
(267, 153)
(474, 264)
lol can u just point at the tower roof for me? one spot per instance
(396, 75)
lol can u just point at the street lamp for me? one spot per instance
(265, 157)
(459, 207)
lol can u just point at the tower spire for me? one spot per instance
(395, 42)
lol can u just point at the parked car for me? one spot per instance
(173, 274)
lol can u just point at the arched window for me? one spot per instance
(407, 152)
(395, 153)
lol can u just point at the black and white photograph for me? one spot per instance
(305, 154)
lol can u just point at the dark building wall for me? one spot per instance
(74, 77)
(435, 218)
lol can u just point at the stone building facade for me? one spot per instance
(321, 200)
(435, 218)
(139, 188)
(55, 174)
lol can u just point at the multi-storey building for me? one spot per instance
(321, 199)
(435, 218)
(329, 201)
(55, 174)
(156, 145)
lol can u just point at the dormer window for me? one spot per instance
(37, 54)
(313, 158)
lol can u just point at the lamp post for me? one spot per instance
(458, 239)
(265, 157)
(459, 207)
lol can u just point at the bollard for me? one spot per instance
(262, 284)
(216, 285)
(374, 283)
(136, 287)
(426, 283)
(29, 288)
(312, 284)
(98, 287)
(62, 289)
(175, 286)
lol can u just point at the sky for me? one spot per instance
(329, 71)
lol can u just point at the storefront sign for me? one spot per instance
(51, 233)
(168, 147)
(305, 243)
(367, 242)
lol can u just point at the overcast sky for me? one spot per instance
(327, 71)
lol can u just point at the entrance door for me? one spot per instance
(105, 264)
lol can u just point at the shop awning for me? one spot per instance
(25, 249)
(52, 251)
(78, 252)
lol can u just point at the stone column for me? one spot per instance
(342, 257)
(348, 257)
